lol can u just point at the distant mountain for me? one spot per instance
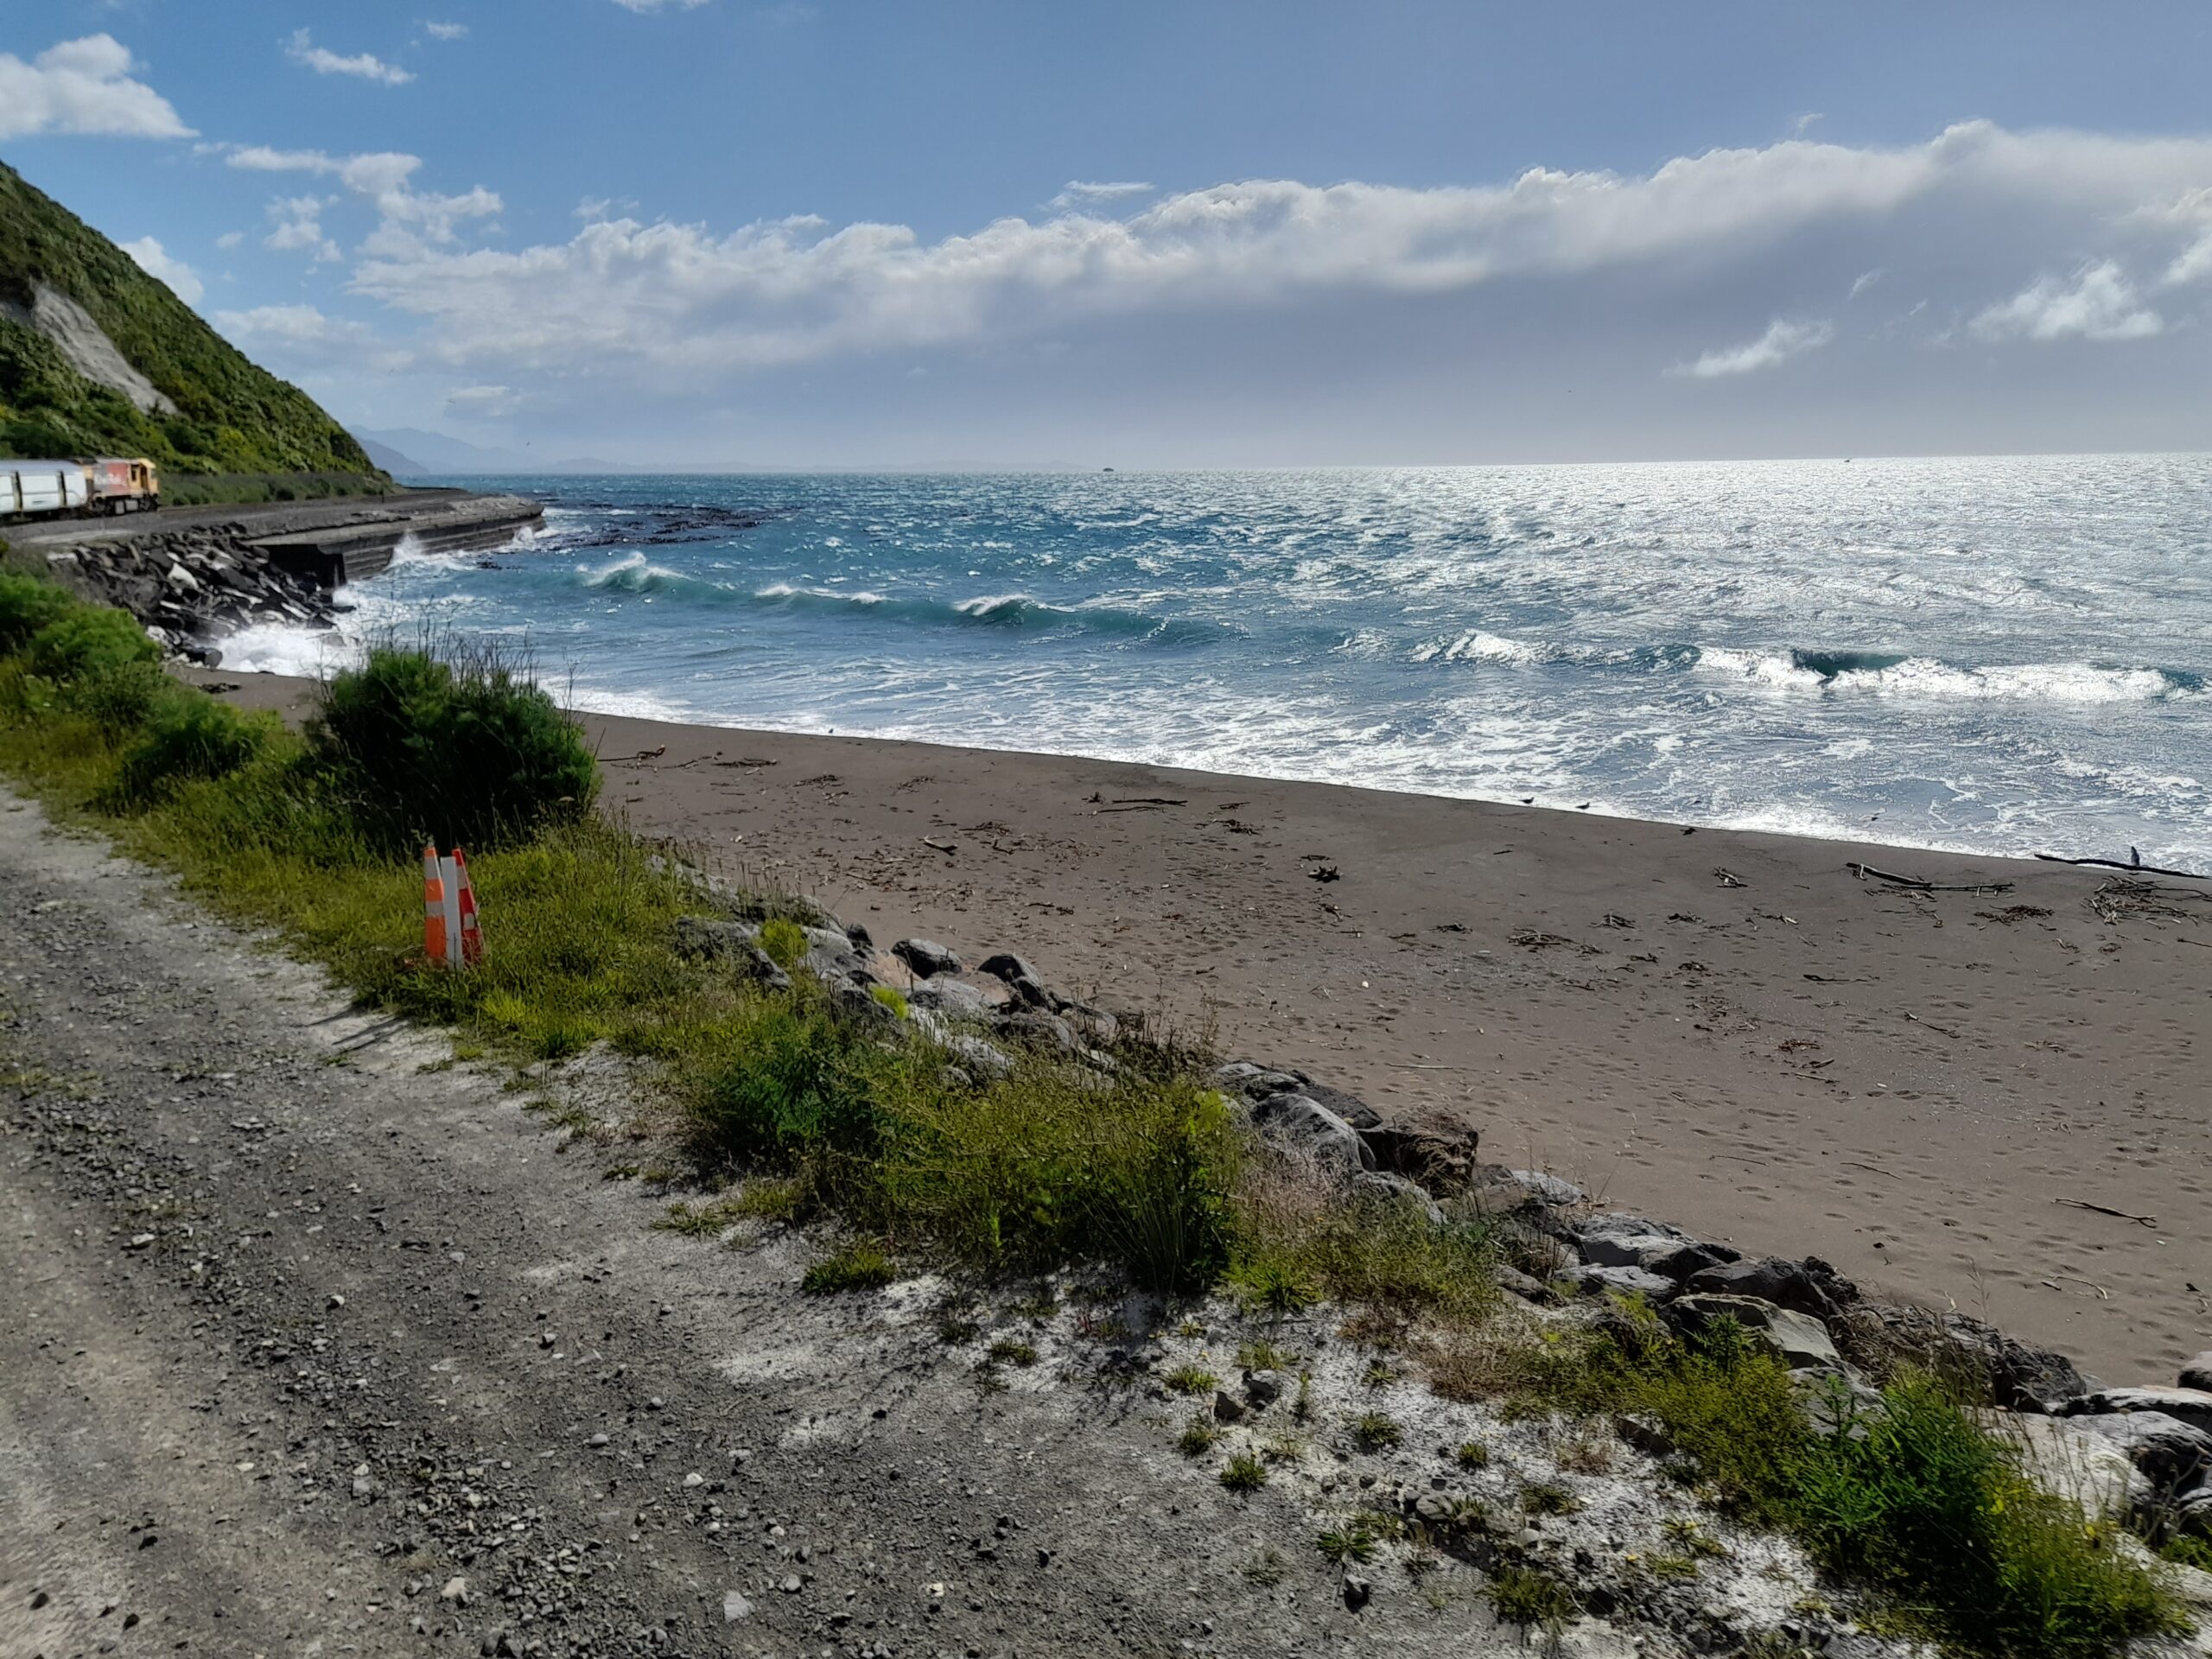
(98, 357)
(436, 454)
(391, 461)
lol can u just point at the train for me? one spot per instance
(84, 489)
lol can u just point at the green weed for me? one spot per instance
(1376, 1430)
(856, 1264)
(1192, 1379)
(1522, 1595)
(1243, 1473)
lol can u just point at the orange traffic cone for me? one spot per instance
(438, 938)
(472, 933)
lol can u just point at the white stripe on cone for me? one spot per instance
(450, 881)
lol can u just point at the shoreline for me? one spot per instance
(1922, 1087)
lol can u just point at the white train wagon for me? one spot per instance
(29, 487)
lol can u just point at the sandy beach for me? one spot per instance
(1732, 1031)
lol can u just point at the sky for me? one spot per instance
(828, 233)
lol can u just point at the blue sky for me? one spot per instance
(853, 234)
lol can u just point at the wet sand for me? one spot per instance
(1920, 1087)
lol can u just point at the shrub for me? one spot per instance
(190, 735)
(1377, 1432)
(84, 641)
(792, 1082)
(1192, 1379)
(26, 605)
(119, 700)
(1917, 1500)
(468, 751)
(1197, 1436)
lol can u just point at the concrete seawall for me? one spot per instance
(333, 554)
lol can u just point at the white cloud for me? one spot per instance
(484, 402)
(1078, 193)
(447, 31)
(299, 227)
(2099, 302)
(658, 5)
(408, 221)
(1865, 280)
(1782, 341)
(82, 87)
(362, 64)
(154, 261)
(229, 239)
(291, 325)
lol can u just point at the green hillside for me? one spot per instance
(232, 416)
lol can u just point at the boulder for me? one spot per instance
(2060, 1456)
(830, 957)
(1880, 1336)
(1546, 1189)
(1302, 1125)
(1801, 1341)
(713, 938)
(1808, 1287)
(1526, 1285)
(2193, 1513)
(2191, 1406)
(1441, 1159)
(1256, 1082)
(858, 937)
(1382, 1186)
(977, 1057)
(1350, 1108)
(1005, 965)
(1042, 1030)
(925, 957)
(2197, 1374)
(1622, 1241)
(1097, 1024)
(1624, 1280)
(2173, 1455)
(953, 998)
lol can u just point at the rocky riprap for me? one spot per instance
(191, 585)
(2142, 1454)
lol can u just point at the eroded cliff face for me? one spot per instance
(85, 344)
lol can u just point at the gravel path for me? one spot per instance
(305, 1348)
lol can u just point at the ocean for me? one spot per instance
(1990, 655)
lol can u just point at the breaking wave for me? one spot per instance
(1893, 674)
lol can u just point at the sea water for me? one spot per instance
(1999, 655)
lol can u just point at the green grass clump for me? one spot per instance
(1471, 1454)
(1012, 1350)
(1522, 1595)
(1264, 1356)
(1545, 1498)
(892, 998)
(1243, 1473)
(1192, 1379)
(856, 1264)
(1388, 1258)
(1198, 1436)
(1376, 1430)
(458, 747)
(783, 941)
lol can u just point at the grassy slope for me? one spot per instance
(233, 416)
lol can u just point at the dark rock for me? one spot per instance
(1809, 1287)
(1005, 965)
(1227, 1408)
(979, 1057)
(2198, 1373)
(1383, 1187)
(925, 957)
(2191, 1406)
(1878, 1337)
(2193, 1513)
(1301, 1125)
(857, 936)
(1097, 1024)
(1357, 1592)
(1030, 991)
(1262, 1388)
(1350, 1108)
(1441, 1161)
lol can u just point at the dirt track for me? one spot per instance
(204, 1449)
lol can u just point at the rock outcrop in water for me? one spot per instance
(189, 587)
